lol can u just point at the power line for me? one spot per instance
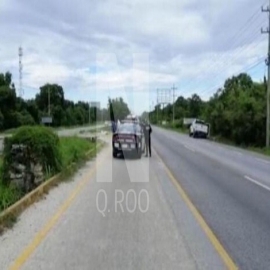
(258, 61)
(219, 58)
(230, 60)
(234, 56)
(250, 20)
(250, 67)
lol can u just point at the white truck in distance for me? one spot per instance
(199, 128)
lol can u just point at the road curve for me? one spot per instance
(231, 189)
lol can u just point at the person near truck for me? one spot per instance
(114, 126)
(147, 134)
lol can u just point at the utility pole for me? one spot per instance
(153, 108)
(89, 112)
(266, 31)
(49, 101)
(157, 106)
(174, 88)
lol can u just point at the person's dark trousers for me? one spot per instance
(148, 147)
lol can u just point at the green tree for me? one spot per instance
(7, 100)
(235, 112)
(118, 109)
(195, 106)
(50, 92)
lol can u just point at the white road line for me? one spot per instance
(257, 183)
(189, 148)
(263, 160)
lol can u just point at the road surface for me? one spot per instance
(116, 214)
(194, 204)
(231, 189)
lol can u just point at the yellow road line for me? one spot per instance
(26, 253)
(210, 234)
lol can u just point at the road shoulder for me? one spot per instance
(14, 240)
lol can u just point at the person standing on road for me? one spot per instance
(113, 126)
(147, 134)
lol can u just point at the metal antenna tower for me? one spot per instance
(20, 71)
(164, 97)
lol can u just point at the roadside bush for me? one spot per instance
(178, 123)
(41, 142)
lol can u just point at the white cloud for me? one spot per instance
(187, 43)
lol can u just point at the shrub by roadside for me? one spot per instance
(177, 126)
(47, 148)
(29, 155)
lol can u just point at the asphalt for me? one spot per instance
(127, 215)
(229, 186)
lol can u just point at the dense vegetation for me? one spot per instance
(15, 111)
(43, 144)
(118, 109)
(236, 112)
(53, 152)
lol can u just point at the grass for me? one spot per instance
(12, 130)
(8, 195)
(73, 151)
(171, 127)
(263, 151)
(9, 131)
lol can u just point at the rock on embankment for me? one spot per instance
(25, 171)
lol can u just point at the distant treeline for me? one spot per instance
(15, 111)
(236, 112)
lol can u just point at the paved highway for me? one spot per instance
(231, 189)
(194, 205)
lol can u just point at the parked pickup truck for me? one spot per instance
(199, 128)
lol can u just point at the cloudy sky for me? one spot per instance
(101, 48)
